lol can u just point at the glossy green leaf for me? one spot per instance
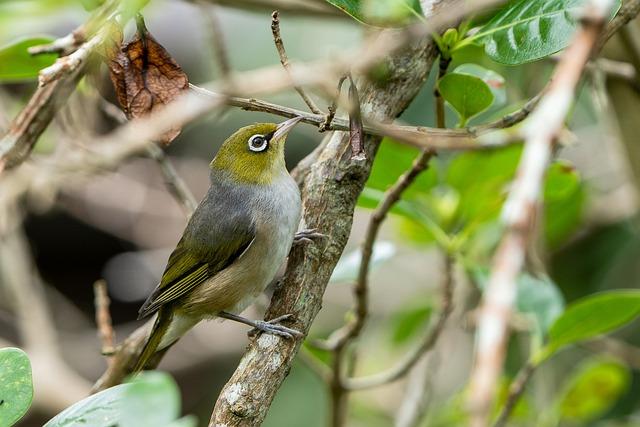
(98, 410)
(151, 399)
(592, 316)
(494, 80)
(380, 12)
(17, 65)
(528, 30)
(592, 390)
(16, 387)
(467, 94)
(408, 322)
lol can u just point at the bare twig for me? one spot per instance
(341, 338)
(333, 108)
(63, 45)
(103, 319)
(175, 184)
(427, 343)
(473, 138)
(515, 392)
(284, 60)
(519, 211)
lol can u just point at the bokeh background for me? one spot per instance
(122, 225)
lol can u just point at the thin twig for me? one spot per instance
(175, 184)
(284, 60)
(333, 108)
(519, 211)
(474, 138)
(103, 319)
(515, 391)
(427, 343)
(340, 339)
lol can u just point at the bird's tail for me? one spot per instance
(160, 327)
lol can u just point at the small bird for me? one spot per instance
(234, 243)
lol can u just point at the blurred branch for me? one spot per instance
(515, 392)
(628, 353)
(340, 339)
(103, 319)
(519, 211)
(311, 7)
(61, 78)
(629, 10)
(24, 287)
(57, 82)
(284, 60)
(430, 339)
(174, 183)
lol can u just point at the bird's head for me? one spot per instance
(254, 154)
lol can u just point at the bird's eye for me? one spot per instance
(258, 143)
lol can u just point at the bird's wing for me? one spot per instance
(203, 251)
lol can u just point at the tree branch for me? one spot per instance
(103, 319)
(284, 60)
(519, 211)
(246, 398)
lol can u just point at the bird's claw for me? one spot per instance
(307, 236)
(274, 327)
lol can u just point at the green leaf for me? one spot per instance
(347, 268)
(380, 12)
(17, 65)
(151, 399)
(528, 30)
(494, 80)
(592, 316)
(593, 389)
(467, 94)
(98, 410)
(408, 322)
(16, 387)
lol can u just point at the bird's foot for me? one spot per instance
(269, 326)
(309, 235)
(274, 327)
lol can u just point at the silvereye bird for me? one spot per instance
(234, 243)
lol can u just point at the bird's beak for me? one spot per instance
(283, 128)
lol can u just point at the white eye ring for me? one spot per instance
(258, 143)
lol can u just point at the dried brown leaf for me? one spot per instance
(144, 75)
